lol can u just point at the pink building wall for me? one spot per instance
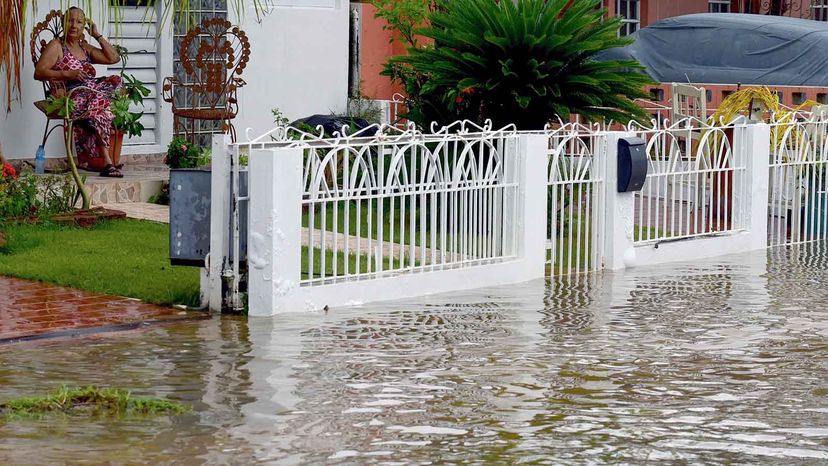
(375, 46)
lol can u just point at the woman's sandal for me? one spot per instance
(110, 171)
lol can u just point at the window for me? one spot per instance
(718, 6)
(822, 98)
(630, 13)
(656, 94)
(798, 98)
(819, 10)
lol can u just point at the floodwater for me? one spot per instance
(716, 362)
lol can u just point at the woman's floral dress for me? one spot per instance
(91, 108)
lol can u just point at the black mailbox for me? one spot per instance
(632, 164)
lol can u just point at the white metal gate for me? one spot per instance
(797, 196)
(576, 196)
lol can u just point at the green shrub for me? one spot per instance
(163, 197)
(18, 194)
(525, 62)
(181, 153)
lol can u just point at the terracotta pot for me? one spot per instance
(116, 142)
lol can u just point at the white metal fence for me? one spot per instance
(403, 201)
(390, 212)
(575, 200)
(798, 200)
(385, 200)
(694, 175)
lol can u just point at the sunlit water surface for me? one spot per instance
(717, 362)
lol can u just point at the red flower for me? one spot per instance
(458, 99)
(9, 171)
(183, 148)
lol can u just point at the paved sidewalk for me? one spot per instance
(161, 213)
(33, 310)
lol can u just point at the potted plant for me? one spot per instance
(126, 122)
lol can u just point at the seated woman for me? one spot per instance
(68, 60)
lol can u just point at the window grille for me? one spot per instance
(819, 10)
(630, 13)
(718, 6)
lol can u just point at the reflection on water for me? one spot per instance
(717, 362)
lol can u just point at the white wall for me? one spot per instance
(299, 63)
(21, 130)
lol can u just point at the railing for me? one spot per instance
(388, 212)
(797, 199)
(694, 175)
(575, 200)
(385, 201)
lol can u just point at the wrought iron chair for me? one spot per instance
(43, 33)
(213, 56)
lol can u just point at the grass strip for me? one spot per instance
(91, 400)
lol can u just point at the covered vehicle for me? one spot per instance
(722, 48)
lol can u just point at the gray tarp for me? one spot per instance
(721, 48)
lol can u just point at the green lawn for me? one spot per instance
(358, 219)
(124, 258)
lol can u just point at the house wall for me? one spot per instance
(377, 45)
(299, 63)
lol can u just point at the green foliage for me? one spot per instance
(91, 400)
(279, 118)
(18, 196)
(58, 194)
(181, 153)
(62, 106)
(526, 62)
(133, 92)
(163, 197)
(124, 258)
(405, 17)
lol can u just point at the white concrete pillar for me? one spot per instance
(532, 196)
(219, 220)
(751, 148)
(619, 208)
(274, 239)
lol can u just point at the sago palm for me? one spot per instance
(525, 62)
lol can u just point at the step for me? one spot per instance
(139, 183)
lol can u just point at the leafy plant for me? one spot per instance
(525, 62)
(404, 18)
(18, 194)
(181, 153)
(59, 194)
(163, 197)
(133, 92)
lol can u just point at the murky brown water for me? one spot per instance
(709, 363)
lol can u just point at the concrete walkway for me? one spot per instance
(161, 213)
(33, 310)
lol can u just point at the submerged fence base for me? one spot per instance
(351, 220)
(275, 262)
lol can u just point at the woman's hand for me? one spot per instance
(93, 29)
(74, 75)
